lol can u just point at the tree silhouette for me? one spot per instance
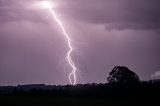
(121, 74)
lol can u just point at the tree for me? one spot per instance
(121, 74)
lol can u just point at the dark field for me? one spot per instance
(126, 94)
(46, 101)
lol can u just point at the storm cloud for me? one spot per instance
(114, 14)
(118, 14)
(104, 33)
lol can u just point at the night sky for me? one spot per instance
(104, 33)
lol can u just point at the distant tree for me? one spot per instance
(121, 74)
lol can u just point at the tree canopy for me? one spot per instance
(121, 74)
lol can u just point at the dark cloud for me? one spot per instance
(118, 14)
(114, 14)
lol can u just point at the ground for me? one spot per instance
(49, 101)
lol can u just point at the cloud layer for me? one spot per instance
(114, 14)
(104, 33)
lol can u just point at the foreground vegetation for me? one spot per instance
(89, 94)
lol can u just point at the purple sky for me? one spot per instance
(105, 33)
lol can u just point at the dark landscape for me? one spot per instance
(123, 88)
(87, 94)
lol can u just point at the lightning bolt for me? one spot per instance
(72, 75)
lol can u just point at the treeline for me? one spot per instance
(122, 84)
(137, 91)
